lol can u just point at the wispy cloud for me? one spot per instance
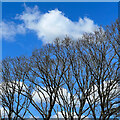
(10, 30)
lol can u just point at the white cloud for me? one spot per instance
(10, 29)
(66, 96)
(12, 84)
(114, 90)
(47, 26)
(54, 24)
(41, 95)
(34, 116)
(3, 112)
(59, 115)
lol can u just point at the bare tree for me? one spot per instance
(101, 58)
(13, 84)
(71, 98)
(80, 78)
(94, 67)
(47, 69)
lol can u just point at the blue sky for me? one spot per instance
(22, 34)
(24, 43)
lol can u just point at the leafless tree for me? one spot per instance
(71, 98)
(80, 78)
(102, 60)
(47, 70)
(13, 84)
(94, 67)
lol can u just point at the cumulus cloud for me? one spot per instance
(112, 85)
(34, 116)
(66, 96)
(4, 112)
(53, 24)
(9, 30)
(16, 84)
(59, 115)
(47, 26)
(41, 95)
